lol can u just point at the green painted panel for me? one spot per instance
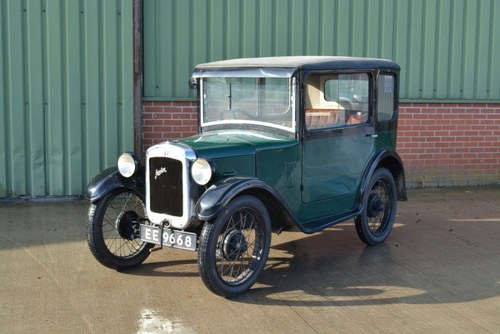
(56, 133)
(92, 88)
(4, 177)
(429, 53)
(73, 99)
(443, 31)
(34, 86)
(282, 24)
(66, 93)
(447, 49)
(493, 88)
(150, 58)
(200, 49)
(483, 42)
(15, 116)
(457, 46)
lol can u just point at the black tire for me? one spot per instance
(113, 230)
(233, 249)
(379, 203)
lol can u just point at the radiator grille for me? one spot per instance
(165, 186)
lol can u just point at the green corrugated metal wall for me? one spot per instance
(449, 50)
(66, 66)
(66, 93)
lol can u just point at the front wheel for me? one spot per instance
(379, 202)
(113, 230)
(234, 248)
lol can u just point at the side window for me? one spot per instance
(385, 97)
(336, 100)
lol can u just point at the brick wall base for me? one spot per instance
(440, 144)
(450, 144)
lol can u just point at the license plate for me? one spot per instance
(171, 238)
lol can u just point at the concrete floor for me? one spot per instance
(439, 272)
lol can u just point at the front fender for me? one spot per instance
(221, 193)
(111, 179)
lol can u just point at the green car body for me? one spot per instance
(317, 174)
(283, 142)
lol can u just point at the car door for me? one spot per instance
(339, 141)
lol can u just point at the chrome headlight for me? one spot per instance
(202, 171)
(128, 164)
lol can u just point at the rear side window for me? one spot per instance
(385, 97)
(337, 100)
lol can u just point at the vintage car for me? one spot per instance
(283, 142)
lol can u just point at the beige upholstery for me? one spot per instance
(322, 118)
(321, 113)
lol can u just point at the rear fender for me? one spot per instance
(391, 161)
(111, 179)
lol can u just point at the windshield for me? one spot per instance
(248, 101)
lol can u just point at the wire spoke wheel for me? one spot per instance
(375, 222)
(113, 230)
(234, 248)
(239, 247)
(120, 227)
(379, 206)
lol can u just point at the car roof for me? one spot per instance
(301, 62)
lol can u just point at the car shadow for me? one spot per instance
(333, 268)
(176, 268)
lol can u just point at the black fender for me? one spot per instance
(392, 161)
(111, 179)
(222, 192)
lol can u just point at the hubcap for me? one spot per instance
(126, 224)
(235, 245)
(375, 206)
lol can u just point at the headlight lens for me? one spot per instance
(202, 171)
(128, 164)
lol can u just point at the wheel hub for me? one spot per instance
(234, 245)
(375, 206)
(126, 224)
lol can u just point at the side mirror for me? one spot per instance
(193, 83)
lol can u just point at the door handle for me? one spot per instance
(371, 135)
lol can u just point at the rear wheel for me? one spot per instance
(113, 230)
(379, 202)
(234, 248)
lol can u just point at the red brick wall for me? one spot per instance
(168, 120)
(450, 144)
(440, 144)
